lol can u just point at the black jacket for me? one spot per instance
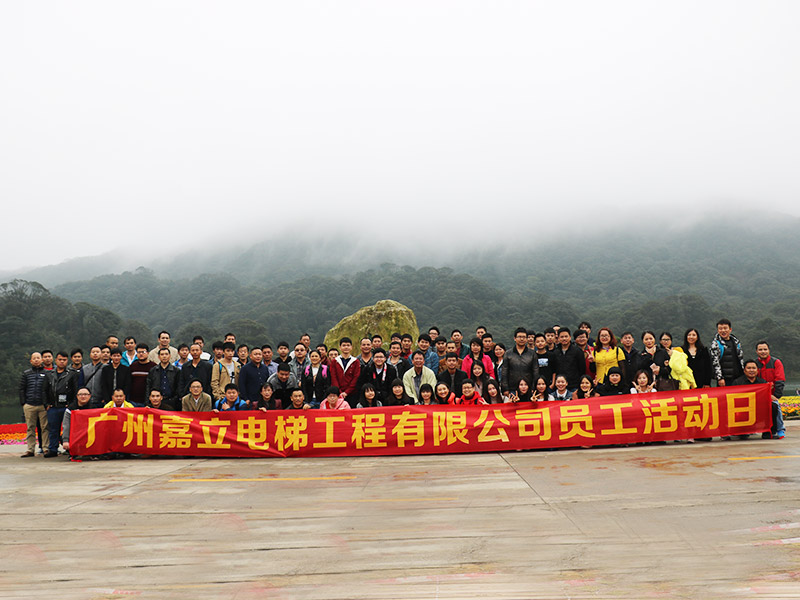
(401, 367)
(60, 389)
(571, 364)
(607, 389)
(31, 386)
(315, 387)
(660, 358)
(165, 405)
(631, 364)
(700, 364)
(382, 384)
(202, 373)
(644, 361)
(154, 383)
(516, 366)
(454, 382)
(546, 362)
(107, 381)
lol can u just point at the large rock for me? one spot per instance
(385, 318)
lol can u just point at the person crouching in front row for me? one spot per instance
(333, 401)
(231, 401)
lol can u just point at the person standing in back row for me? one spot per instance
(520, 362)
(32, 399)
(727, 359)
(770, 369)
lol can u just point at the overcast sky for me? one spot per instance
(127, 124)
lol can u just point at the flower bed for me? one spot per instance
(12, 434)
(790, 406)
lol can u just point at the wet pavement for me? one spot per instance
(704, 520)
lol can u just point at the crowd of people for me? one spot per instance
(556, 364)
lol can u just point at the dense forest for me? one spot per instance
(691, 279)
(31, 318)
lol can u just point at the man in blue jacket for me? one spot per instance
(31, 397)
(252, 376)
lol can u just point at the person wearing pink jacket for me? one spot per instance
(333, 401)
(476, 354)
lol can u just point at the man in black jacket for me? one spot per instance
(31, 397)
(631, 357)
(380, 374)
(569, 359)
(115, 376)
(520, 362)
(396, 360)
(195, 369)
(60, 390)
(545, 358)
(164, 378)
(452, 375)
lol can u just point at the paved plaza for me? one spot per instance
(704, 520)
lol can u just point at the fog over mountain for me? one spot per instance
(136, 133)
(745, 267)
(294, 255)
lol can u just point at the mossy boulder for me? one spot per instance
(384, 318)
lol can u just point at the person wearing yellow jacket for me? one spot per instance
(607, 354)
(680, 371)
(118, 400)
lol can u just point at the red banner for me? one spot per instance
(664, 416)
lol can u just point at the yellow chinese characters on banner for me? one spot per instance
(612, 420)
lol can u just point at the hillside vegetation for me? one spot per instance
(745, 273)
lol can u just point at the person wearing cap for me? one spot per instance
(333, 401)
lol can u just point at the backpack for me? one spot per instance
(324, 369)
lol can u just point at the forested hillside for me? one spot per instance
(213, 304)
(33, 319)
(747, 270)
(745, 273)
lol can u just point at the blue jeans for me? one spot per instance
(777, 418)
(55, 416)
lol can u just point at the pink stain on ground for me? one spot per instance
(436, 578)
(232, 522)
(30, 553)
(795, 540)
(104, 538)
(774, 527)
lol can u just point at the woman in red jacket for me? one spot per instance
(469, 396)
(443, 394)
(476, 355)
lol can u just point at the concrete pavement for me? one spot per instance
(704, 520)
